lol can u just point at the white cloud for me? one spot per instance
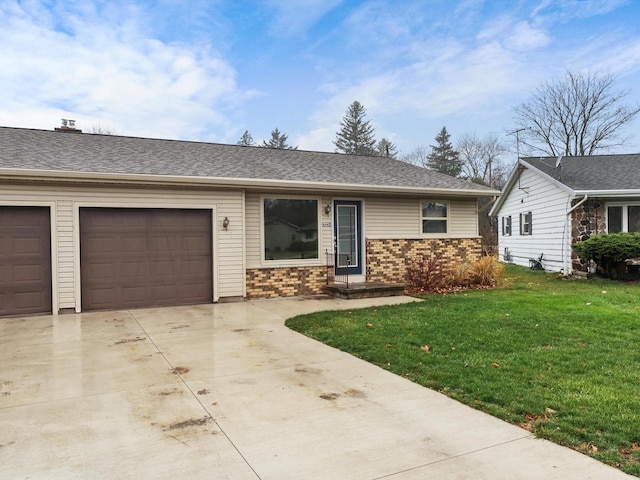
(112, 74)
(294, 17)
(523, 37)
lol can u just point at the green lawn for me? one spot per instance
(558, 357)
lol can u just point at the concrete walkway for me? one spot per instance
(226, 391)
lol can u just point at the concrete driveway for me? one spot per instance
(226, 391)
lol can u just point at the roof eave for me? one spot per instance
(146, 179)
(609, 193)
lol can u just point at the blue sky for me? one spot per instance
(210, 69)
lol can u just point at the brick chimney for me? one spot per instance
(68, 126)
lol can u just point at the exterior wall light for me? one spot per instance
(225, 223)
(327, 209)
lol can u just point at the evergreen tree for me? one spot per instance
(246, 140)
(386, 148)
(278, 140)
(356, 134)
(443, 158)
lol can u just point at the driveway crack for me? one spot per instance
(177, 371)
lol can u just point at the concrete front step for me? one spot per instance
(364, 290)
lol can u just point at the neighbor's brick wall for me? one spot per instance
(285, 282)
(586, 220)
(386, 259)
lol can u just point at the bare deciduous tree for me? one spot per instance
(418, 156)
(580, 114)
(481, 162)
(100, 130)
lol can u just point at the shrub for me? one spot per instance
(460, 274)
(425, 273)
(608, 249)
(487, 271)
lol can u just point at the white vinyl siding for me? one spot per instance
(550, 236)
(387, 218)
(229, 278)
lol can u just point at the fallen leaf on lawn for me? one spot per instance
(507, 314)
(536, 418)
(547, 346)
(580, 344)
(495, 365)
(527, 427)
(425, 348)
(549, 410)
(388, 345)
(588, 303)
(604, 291)
(369, 325)
(592, 447)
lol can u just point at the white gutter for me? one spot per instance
(578, 204)
(609, 193)
(141, 179)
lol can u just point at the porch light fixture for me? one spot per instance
(327, 209)
(225, 223)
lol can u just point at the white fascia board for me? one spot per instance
(120, 178)
(520, 166)
(609, 193)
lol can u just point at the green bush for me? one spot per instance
(608, 249)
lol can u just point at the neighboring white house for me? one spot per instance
(549, 203)
(104, 222)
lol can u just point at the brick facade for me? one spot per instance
(285, 282)
(386, 259)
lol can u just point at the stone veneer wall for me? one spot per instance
(386, 259)
(285, 282)
(586, 220)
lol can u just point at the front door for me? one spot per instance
(348, 235)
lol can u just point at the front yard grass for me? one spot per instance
(560, 358)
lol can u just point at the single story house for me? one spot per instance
(106, 222)
(548, 203)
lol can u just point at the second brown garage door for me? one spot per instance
(145, 257)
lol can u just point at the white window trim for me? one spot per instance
(625, 213)
(523, 217)
(447, 219)
(311, 262)
(504, 230)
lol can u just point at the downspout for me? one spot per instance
(567, 259)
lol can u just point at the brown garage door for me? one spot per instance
(144, 257)
(25, 260)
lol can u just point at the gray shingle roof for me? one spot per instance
(72, 152)
(594, 172)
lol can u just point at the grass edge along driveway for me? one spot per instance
(557, 357)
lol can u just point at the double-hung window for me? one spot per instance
(435, 216)
(506, 226)
(290, 228)
(526, 223)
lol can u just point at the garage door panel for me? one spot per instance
(26, 274)
(150, 254)
(25, 260)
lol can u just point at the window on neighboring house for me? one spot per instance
(623, 218)
(434, 217)
(614, 219)
(526, 223)
(506, 226)
(285, 222)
